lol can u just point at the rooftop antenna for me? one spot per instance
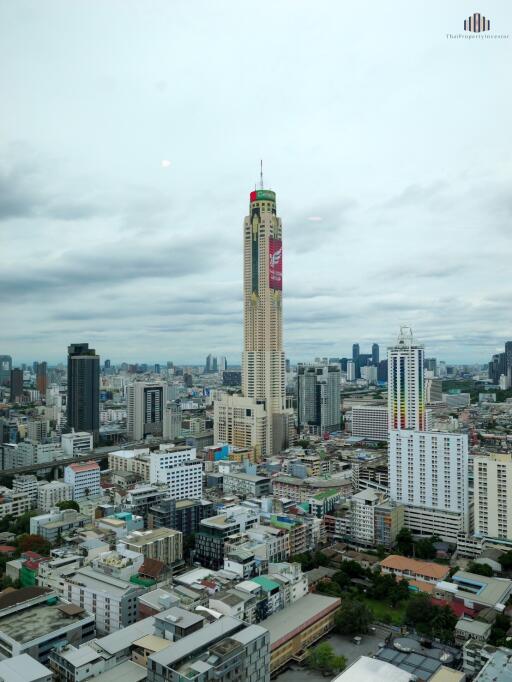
(261, 174)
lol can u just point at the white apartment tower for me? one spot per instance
(146, 402)
(493, 495)
(263, 361)
(428, 470)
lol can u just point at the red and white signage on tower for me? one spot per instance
(275, 269)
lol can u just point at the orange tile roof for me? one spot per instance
(86, 466)
(426, 568)
(422, 586)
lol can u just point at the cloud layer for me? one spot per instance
(393, 179)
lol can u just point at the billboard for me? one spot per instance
(275, 268)
(263, 195)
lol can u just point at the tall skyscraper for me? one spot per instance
(42, 378)
(146, 402)
(208, 364)
(406, 386)
(375, 354)
(318, 398)
(355, 352)
(5, 369)
(215, 365)
(16, 384)
(428, 471)
(83, 411)
(351, 370)
(263, 361)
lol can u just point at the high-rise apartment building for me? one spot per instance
(5, 369)
(16, 385)
(428, 471)
(375, 354)
(351, 370)
(83, 400)
(42, 378)
(493, 495)
(172, 420)
(406, 385)
(146, 402)
(318, 398)
(263, 361)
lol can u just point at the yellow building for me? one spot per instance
(294, 629)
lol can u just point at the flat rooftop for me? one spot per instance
(128, 671)
(22, 668)
(37, 621)
(282, 624)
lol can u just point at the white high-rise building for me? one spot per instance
(146, 402)
(493, 495)
(406, 384)
(263, 361)
(428, 470)
(370, 422)
(178, 468)
(351, 370)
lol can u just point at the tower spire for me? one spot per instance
(261, 173)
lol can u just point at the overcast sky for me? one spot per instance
(388, 145)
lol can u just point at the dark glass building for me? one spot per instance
(16, 384)
(83, 404)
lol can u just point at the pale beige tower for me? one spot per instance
(263, 361)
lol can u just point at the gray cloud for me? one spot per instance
(99, 242)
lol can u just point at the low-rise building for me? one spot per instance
(84, 478)
(246, 485)
(164, 544)
(224, 650)
(24, 668)
(53, 525)
(467, 628)
(76, 443)
(473, 592)
(51, 493)
(294, 629)
(112, 600)
(183, 515)
(33, 620)
(421, 575)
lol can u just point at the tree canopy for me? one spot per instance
(353, 618)
(323, 658)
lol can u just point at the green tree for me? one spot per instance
(329, 587)
(353, 618)
(424, 548)
(404, 542)
(480, 569)
(68, 504)
(501, 625)
(323, 659)
(506, 560)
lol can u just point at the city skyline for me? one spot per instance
(121, 198)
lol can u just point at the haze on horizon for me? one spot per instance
(131, 135)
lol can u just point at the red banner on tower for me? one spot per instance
(275, 269)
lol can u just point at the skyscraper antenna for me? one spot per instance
(261, 174)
